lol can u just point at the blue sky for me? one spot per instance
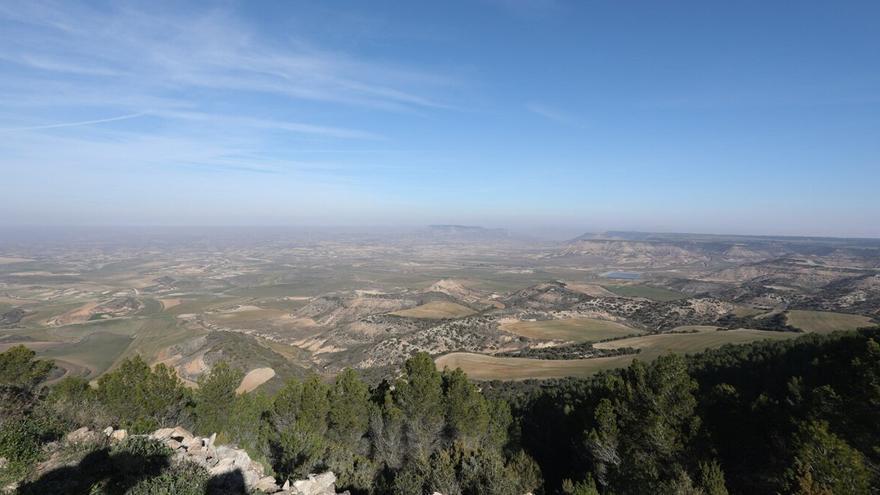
(741, 117)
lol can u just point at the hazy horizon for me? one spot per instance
(532, 115)
(538, 233)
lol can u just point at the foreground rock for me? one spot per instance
(218, 460)
(224, 459)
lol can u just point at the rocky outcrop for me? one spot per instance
(218, 460)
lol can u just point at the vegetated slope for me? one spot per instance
(423, 432)
(198, 356)
(765, 417)
(649, 347)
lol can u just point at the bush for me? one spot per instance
(142, 399)
(182, 478)
(20, 443)
(74, 403)
(18, 368)
(138, 455)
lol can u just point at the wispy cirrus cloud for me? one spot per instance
(550, 113)
(85, 84)
(214, 50)
(73, 124)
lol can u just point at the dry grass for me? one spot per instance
(825, 321)
(652, 346)
(254, 379)
(436, 310)
(573, 329)
(170, 303)
(79, 315)
(483, 367)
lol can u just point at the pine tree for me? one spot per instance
(712, 478)
(654, 411)
(419, 395)
(586, 487)
(142, 399)
(215, 397)
(18, 368)
(823, 461)
(349, 409)
(286, 406)
(467, 415)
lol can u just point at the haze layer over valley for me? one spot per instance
(288, 302)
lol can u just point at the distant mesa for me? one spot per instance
(467, 231)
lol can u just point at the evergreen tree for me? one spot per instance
(216, 397)
(18, 368)
(300, 416)
(498, 428)
(524, 472)
(314, 406)
(823, 461)
(419, 396)
(653, 415)
(442, 477)
(248, 424)
(142, 399)
(585, 487)
(349, 408)
(286, 405)
(603, 441)
(387, 433)
(712, 478)
(467, 414)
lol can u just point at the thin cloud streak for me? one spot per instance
(552, 114)
(73, 124)
(135, 50)
(296, 127)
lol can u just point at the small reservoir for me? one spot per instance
(623, 275)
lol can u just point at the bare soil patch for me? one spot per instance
(254, 379)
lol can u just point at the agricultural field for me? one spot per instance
(436, 310)
(487, 367)
(571, 329)
(254, 378)
(825, 321)
(312, 302)
(646, 291)
(703, 338)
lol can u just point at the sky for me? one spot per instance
(716, 117)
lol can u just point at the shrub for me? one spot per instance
(138, 455)
(182, 478)
(20, 443)
(142, 399)
(18, 368)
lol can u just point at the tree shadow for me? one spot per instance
(115, 473)
(231, 483)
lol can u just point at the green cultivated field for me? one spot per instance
(825, 321)
(97, 352)
(574, 329)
